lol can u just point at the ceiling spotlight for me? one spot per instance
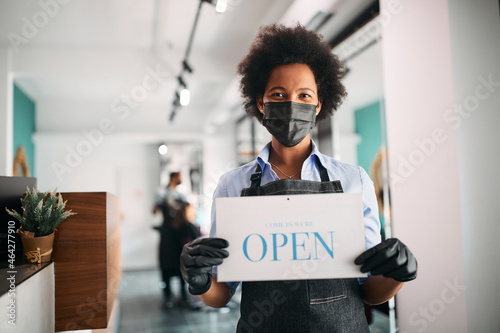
(185, 97)
(163, 149)
(221, 6)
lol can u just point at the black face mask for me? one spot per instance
(289, 122)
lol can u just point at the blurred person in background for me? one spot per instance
(168, 194)
(169, 202)
(181, 231)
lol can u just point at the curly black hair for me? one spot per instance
(280, 45)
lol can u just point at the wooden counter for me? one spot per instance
(87, 261)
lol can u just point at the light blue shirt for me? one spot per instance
(354, 179)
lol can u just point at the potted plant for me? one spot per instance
(42, 213)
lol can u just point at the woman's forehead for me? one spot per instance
(291, 76)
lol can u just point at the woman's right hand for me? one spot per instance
(197, 259)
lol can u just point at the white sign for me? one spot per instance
(291, 237)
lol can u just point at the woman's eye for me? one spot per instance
(277, 94)
(305, 96)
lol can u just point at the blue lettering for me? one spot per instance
(275, 245)
(316, 237)
(295, 245)
(280, 240)
(264, 247)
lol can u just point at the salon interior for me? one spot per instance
(102, 100)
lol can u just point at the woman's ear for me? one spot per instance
(260, 103)
(318, 107)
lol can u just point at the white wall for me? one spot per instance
(6, 116)
(124, 167)
(475, 35)
(423, 163)
(34, 304)
(218, 158)
(345, 138)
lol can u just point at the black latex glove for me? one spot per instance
(391, 258)
(197, 259)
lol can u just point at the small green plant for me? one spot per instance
(42, 212)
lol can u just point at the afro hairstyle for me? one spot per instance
(277, 45)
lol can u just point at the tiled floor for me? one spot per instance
(141, 312)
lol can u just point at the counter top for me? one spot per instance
(20, 272)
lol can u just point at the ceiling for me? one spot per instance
(76, 59)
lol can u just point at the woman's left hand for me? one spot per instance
(391, 258)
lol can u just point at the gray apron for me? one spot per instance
(325, 305)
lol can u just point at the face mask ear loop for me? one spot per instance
(263, 111)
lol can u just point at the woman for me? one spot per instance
(290, 81)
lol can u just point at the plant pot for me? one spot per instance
(37, 249)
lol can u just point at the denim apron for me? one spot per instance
(325, 305)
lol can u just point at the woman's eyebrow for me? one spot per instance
(276, 88)
(300, 89)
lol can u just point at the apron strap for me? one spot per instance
(256, 177)
(323, 173)
(254, 189)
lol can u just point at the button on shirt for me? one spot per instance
(354, 179)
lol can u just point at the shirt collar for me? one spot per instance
(315, 151)
(263, 157)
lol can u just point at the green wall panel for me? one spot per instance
(368, 128)
(24, 126)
